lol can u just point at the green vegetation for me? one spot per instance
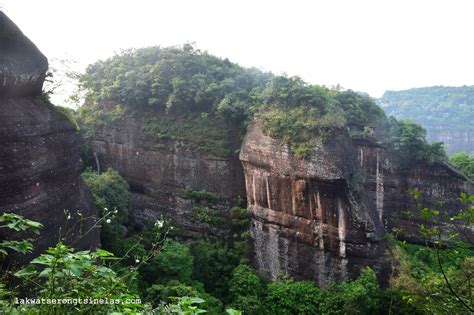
(173, 79)
(203, 133)
(299, 114)
(463, 162)
(61, 273)
(110, 190)
(437, 277)
(69, 113)
(408, 142)
(111, 195)
(185, 94)
(254, 295)
(203, 101)
(165, 276)
(433, 107)
(203, 195)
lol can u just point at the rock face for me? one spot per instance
(39, 149)
(324, 218)
(307, 219)
(161, 171)
(387, 186)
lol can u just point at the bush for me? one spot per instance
(110, 192)
(172, 292)
(245, 282)
(62, 273)
(111, 196)
(203, 195)
(240, 217)
(361, 296)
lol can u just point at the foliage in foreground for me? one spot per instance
(438, 277)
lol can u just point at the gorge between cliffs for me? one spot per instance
(237, 187)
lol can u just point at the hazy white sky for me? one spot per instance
(365, 45)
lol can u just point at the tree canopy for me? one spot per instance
(463, 162)
(183, 86)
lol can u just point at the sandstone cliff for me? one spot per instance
(161, 173)
(387, 188)
(39, 148)
(325, 217)
(321, 218)
(162, 118)
(307, 219)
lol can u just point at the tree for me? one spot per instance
(463, 162)
(408, 141)
(443, 268)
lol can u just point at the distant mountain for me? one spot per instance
(447, 113)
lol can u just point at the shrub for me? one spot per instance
(361, 296)
(240, 217)
(110, 191)
(408, 143)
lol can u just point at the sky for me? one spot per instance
(364, 45)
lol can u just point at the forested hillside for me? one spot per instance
(446, 112)
(174, 240)
(192, 96)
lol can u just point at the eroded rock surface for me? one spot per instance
(161, 171)
(387, 187)
(307, 219)
(324, 218)
(39, 149)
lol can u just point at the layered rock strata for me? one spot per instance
(162, 172)
(307, 218)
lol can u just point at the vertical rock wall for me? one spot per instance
(160, 171)
(324, 218)
(307, 220)
(387, 187)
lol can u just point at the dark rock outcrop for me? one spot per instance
(39, 149)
